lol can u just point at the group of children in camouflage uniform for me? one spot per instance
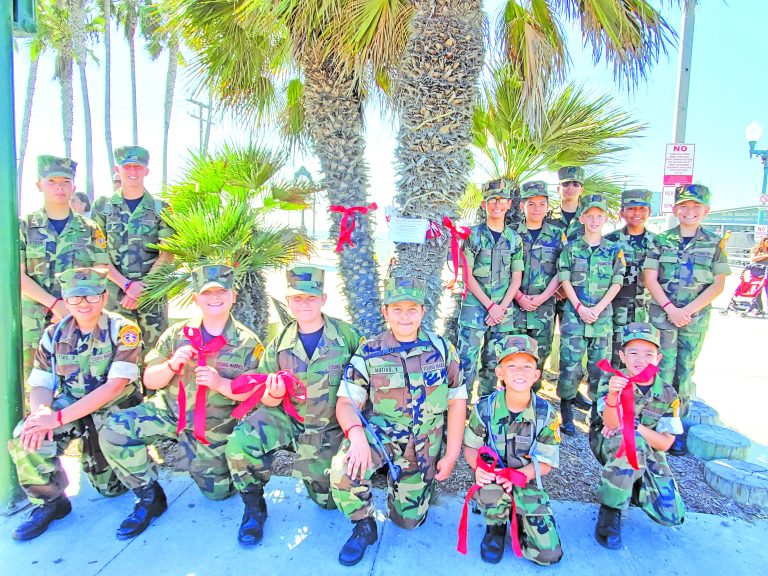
(349, 406)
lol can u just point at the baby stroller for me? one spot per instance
(746, 298)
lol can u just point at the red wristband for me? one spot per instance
(168, 363)
(667, 304)
(578, 306)
(491, 305)
(52, 306)
(611, 405)
(348, 430)
(59, 419)
(127, 285)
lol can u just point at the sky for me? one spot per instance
(728, 91)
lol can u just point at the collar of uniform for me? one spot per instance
(146, 200)
(39, 219)
(547, 228)
(507, 233)
(292, 334)
(675, 234)
(230, 330)
(389, 341)
(657, 387)
(500, 405)
(70, 328)
(583, 243)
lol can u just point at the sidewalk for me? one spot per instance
(198, 537)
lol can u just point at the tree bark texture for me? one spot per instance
(26, 119)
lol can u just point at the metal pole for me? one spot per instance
(10, 320)
(684, 70)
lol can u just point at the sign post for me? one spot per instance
(678, 170)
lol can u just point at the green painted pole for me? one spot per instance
(10, 318)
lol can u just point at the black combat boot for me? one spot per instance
(608, 528)
(364, 534)
(41, 516)
(678, 447)
(150, 504)
(254, 516)
(492, 546)
(566, 417)
(581, 401)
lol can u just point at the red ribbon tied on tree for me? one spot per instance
(215, 344)
(257, 385)
(488, 461)
(626, 408)
(457, 254)
(348, 222)
(433, 231)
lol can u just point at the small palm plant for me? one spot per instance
(223, 211)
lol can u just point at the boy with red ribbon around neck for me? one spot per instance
(638, 418)
(192, 367)
(314, 349)
(512, 439)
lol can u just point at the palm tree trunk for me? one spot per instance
(333, 111)
(107, 9)
(252, 305)
(436, 89)
(170, 85)
(134, 107)
(25, 122)
(88, 132)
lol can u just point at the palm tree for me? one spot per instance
(106, 14)
(61, 41)
(220, 211)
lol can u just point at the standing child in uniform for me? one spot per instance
(494, 270)
(591, 272)
(192, 366)
(684, 272)
(657, 421)
(86, 368)
(523, 432)
(52, 239)
(316, 349)
(392, 405)
(571, 187)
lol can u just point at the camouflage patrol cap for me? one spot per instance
(52, 166)
(209, 275)
(534, 188)
(131, 155)
(636, 197)
(571, 173)
(640, 331)
(499, 188)
(400, 289)
(305, 280)
(596, 200)
(695, 192)
(517, 344)
(82, 282)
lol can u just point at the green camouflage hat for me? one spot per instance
(399, 289)
(534, 188)
(636, 197)
(571, 173)
(131, 155)
(305, 280)
(51, 166)
(517, 344)
(499, 188)
(209, 275)
(588, 201)
(640, 331)
(82, 282)
(695, 192)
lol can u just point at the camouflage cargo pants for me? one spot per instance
(40, 473)
(152, 321)
(407, 499)
(680, 348)
(127, 433)
(543, 337)
(572, 350)
(537, 530)
(474, 344)
(625, 311)
(252, 445)
(652, 487)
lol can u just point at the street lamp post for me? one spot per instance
(753, 132)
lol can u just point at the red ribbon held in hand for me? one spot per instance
(488, 461)
(457, 254)
(348, 222)
(216, 343)
(626, 408)
(257, 385)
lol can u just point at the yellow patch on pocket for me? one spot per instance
(675, 407)
(555, 427)
(724, 241)
(258, 351)
(99, 239)
(129, 336)
(621, 257)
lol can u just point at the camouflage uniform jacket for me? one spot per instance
(492, 264)
(240, 354)
(405, 393)
(634, 256)
(591, 273)
(684, 272)
(657, 409)
(573, 230)
(516, 439)
(321, 374)
(83, 364)
(129, 233)
(540, 259)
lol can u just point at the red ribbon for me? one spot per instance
(216, 343)
(348, 222)
(626, 408)
(457, 254)
(257, 385)
(516, 477)
(434, 230)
